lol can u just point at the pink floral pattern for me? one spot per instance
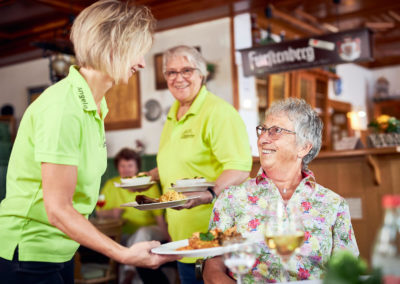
(325, 216)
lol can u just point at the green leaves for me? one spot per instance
(206, 236)
(345, 268)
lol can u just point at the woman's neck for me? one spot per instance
(286, 180)
(99, 83)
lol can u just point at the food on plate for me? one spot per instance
(212, 238)
(170, 195)
(143, 199)
(189, 181)
(140, 178)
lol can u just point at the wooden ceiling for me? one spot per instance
(24, 22)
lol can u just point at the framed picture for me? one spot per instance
(34, 93)
(123, 102)
(161, 83)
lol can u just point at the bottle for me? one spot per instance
(386, 250)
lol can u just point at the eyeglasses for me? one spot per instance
(185, 73)
(274, 132)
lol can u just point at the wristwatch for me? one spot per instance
(211, 190)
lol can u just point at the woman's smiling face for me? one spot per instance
(183, 89)
(281, 152)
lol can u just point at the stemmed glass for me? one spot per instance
(284, 234)
(101, 201)
(239, 256)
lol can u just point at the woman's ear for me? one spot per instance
(304, 150)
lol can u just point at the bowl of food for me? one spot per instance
(141, 178)
(190, 181)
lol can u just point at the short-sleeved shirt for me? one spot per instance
(134, 218)
(325, 216)
(210, 138)
(61, 127)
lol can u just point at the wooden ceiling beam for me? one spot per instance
(62, 5)
(378, 8)
(49, 26)
(394, 15)
(294, 21)
(380, 25)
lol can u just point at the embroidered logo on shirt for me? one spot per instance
(83, 99)
(187, 134)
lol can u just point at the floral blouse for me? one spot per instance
(325, 216)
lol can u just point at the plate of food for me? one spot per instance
(200, 244)
(191, 184)
(139, 179)
(137, 187)
(168, 200)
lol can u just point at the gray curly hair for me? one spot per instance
(307, 124)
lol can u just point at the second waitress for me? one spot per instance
(202, 136)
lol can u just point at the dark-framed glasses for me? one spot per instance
(274, 132)
(186, 73)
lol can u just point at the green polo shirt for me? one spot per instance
(210, 138)
(61, 127)
(134, 218)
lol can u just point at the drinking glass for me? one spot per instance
(101, 201)
(284, 234)
(239, 257)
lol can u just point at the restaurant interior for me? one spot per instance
(354, 96)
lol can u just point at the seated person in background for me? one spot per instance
(138, 225)
(287, 142)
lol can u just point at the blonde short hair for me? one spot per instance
(109, 35)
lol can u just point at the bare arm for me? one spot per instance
(154, 174)
(226, 178)
(215, 272)
(59, 182)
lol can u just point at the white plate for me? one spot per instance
(158, 205)
(193, 187)
(136, 180)
(170, 248)
(189, 181)
(136, 186)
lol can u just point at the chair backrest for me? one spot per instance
(113, 229)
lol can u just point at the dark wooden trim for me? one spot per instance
(235, 82)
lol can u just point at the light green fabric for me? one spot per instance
(210, 138)
(134, 218)
(62, 127)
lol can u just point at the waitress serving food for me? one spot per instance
(203, 136)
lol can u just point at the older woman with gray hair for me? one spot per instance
(288, 141)
(203, 136)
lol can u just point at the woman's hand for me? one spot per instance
(205, 197)
(140, 255)
(154, 174)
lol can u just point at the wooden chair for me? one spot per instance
(87, 273)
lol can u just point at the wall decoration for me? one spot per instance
(123, 102)
(34, 93)
(152, 110)
(161, 83)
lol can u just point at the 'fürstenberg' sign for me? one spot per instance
(348, 46)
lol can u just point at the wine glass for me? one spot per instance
(239, 257)
(101, 201)
(284, 234)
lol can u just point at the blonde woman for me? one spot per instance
(59, 154)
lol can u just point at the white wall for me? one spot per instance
(16, 79)
(214, 40)
(392, 74)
